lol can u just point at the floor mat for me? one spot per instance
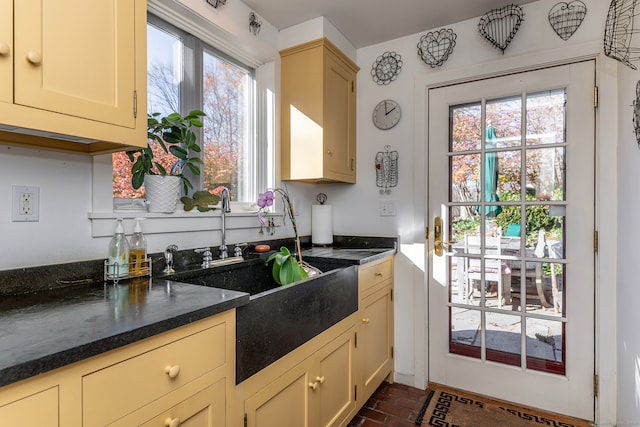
(445, 407)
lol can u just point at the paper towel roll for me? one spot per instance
(321, 225)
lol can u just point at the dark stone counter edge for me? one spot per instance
(48, 363)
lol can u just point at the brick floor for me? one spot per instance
(392, 405)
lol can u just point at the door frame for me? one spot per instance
(606, 202)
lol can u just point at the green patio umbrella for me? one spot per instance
(491, 174)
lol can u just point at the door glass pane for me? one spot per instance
(465, 178)
(545, 345)
(503, 338)
(465, 332)
(466, 127)
(546, 117)
(505, 117)
(546, 174)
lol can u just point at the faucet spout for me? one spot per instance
(226, 208)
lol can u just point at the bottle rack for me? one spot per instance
(112, 271)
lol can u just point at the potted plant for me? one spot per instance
(175, 134)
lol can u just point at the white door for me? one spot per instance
(511, 288)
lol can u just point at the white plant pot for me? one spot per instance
(161, 193)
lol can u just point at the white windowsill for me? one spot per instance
(103, 223)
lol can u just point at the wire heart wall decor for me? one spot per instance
(436, 46)
(499, 26)
(619, 32)
(565, 18)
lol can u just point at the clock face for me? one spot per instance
(386, 114)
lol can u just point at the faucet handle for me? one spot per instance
(206, 256)
(239, 248)
(168, 259)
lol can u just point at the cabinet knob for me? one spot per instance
(34, 57)
(365, 320)
(329, 153)
(320, 379)
(172, 370)
(4, 49)
(314, 385)
(172, 422)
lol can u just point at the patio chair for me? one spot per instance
(495, 269)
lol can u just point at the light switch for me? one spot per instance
(388, 207)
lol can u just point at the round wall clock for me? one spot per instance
(386, 68)
(386, 114)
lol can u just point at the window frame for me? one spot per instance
(262, 128)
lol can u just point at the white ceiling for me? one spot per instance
(369, 22)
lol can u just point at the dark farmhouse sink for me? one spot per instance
(279, 319)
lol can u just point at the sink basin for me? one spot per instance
(277, 318)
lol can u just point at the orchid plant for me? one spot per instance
(285, 268)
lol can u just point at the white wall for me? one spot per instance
(63, 233)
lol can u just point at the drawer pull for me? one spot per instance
(365, 320)
(172, 370)
(314, 385)
(172, 422)
(320, 379)
(34, 57)
(378, 274)
(4, 49)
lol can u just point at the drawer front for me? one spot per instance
(119, 389)
(374, 274)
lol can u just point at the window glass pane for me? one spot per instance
(226, 101)
(545, 173)
(465, 178)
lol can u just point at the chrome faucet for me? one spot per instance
(225, 210)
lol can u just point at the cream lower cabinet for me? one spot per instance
(185, 376)
(375, 329)
(317, 391)
(38, 409)
(73, 69)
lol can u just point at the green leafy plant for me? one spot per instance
(176, 135)
(285, 269)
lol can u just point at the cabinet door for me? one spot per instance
(340, 120)
(336, 380)
(40, 409)
(284, 402)
(6, 51)
(77, 57)
(204, 409)
(376, 340)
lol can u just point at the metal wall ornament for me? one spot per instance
(619, 32)
(565, 18)
(636, 114)
(216, 3)
(435, 47)
(386, 169)
(386, 68)
(499, 26)
(254, 24)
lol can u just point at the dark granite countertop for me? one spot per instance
(346, 256)
(43, 332)
(47, 324)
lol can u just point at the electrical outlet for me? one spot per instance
(26, 204)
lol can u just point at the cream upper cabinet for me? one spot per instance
(318, 87)
(76, 71)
